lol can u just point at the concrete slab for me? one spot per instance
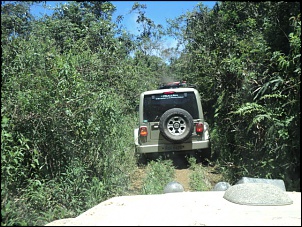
(185, 208)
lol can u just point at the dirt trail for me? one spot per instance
(182, 174)
(182, 177)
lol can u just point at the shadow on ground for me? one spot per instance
(180, 160)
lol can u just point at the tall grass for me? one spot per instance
(158, 174)
(197, 178)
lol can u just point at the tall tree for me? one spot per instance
(248, 83)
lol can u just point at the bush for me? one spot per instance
(158, 174)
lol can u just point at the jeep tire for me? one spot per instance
(176, 125)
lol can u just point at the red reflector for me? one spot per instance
(169, 92)
(143, 131)
(199, 127)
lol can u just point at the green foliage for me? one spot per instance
(245, 57)
(158, 175)
(12, 156)
(71, 82)
(197, 178)
(15, 19)
(61, 123)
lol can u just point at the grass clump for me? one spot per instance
(197, 178)
(158, 174)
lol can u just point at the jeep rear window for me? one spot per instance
(155, 105)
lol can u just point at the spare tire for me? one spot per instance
(176, 125)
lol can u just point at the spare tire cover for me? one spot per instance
(176, 125)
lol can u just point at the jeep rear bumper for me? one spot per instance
(153, 148)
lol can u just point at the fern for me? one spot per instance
(249, 108)
(275, 83)
(261, 117)
(271, 96)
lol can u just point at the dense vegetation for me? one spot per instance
(71, 82)
(245, 58)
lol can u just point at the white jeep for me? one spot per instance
(171, 120)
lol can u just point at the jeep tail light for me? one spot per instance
(199, 128)
(143, 131)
